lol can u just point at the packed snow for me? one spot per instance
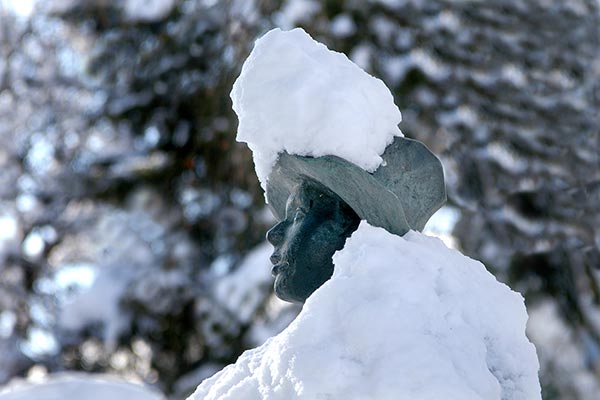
(78, 386)
(296, 95)
(401, 318)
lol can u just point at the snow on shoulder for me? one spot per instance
(401, 318)
(296, 95)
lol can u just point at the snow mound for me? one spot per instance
(401, 318)
(296, 95)
(79, 386)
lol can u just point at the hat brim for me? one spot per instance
(359, 189)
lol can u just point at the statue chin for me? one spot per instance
(296, 289)
(284, 293)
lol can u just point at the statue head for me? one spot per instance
(320, 202)
(317, 223)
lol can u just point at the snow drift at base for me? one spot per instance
(78, 386)
(401, 318)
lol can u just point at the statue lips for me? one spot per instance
(277, 269)
(278, 264)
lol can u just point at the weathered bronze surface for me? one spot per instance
(317, 223)
(320, 201)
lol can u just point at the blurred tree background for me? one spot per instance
(131, 222)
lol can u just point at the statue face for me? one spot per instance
(316, 225)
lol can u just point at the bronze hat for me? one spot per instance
(402, 194)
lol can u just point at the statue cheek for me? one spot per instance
(324, 237)
(297, 239)
(280, 287)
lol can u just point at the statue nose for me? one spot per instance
(275, 234)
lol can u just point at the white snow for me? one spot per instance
(148, 10)
(98, 303)
(9, 228)
(33, 245)
(20, 8)
(11, 232)
(401, 318)
(8, 320)
(343, 25)
(294, 12)
(78, 386)
(241, 292)
(295, 95)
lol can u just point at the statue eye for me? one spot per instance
(298, 215)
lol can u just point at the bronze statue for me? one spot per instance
(320, 202)
(316, 225)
